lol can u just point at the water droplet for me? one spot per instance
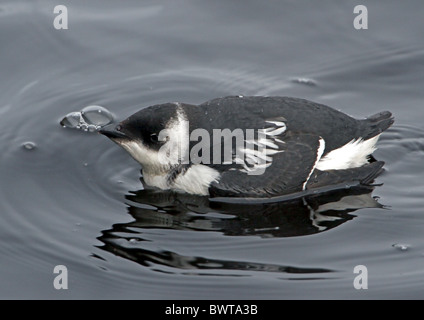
(85, 164)
(84, 127)
(89, 119)
(93, 128)
(29, 145)
(133, 240)
(71, 120)
(401, 246)
(97, 115)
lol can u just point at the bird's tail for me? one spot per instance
(375, 124)
(361, 176)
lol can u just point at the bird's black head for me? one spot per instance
(147, 131)
(146, 126)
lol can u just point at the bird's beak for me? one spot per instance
(111, 132)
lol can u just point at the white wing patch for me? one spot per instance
(320, 151)
(257, 153)
(352, 155)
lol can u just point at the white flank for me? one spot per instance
(196, 180)
(320, 151)
(352, 155)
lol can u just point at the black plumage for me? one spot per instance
(307, 132)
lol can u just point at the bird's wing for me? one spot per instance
(285, 170)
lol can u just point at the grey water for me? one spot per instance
(73, 198)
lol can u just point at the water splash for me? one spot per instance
(89, 119)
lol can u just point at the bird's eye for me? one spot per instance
(154, 137)
(118, 127)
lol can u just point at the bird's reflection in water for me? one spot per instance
(153, 209)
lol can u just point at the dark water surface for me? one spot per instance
(76, 198)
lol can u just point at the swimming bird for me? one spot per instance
(251, 147)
